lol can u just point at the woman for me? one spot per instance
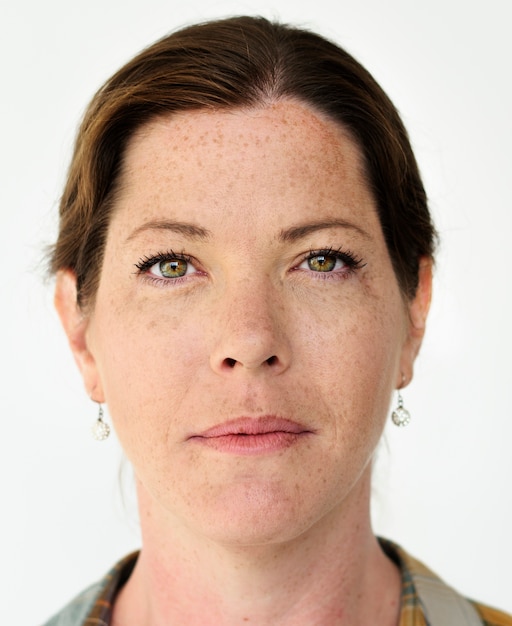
(244, 271)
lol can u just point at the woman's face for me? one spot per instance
(248, 328)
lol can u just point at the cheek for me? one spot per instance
(353, 365)
(148, 359)
(354, 339)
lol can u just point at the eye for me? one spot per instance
(166, 266)
(172, 268)
(331, 261)
(323, 263)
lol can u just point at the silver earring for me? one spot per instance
(400, 416)
(100, 429)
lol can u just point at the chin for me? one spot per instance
(259, 514)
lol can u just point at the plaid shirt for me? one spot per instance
(94, 606)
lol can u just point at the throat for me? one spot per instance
(264, 587)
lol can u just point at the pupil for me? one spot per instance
(322, 263)
(173, 269)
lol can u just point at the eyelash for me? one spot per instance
(147, 262)
(351, 261)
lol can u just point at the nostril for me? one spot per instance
(230, 363)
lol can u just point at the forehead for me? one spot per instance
(283, 129)
(243, 160)
(283, 118)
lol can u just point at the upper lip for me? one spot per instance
(253, 426)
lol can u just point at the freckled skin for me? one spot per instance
(251, 328)
(160, 350)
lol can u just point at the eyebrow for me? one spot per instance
(299, 232)
(192, 231)
(288, 235)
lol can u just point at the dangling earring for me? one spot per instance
(400, 416)
(100, 429)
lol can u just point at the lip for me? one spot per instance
(252, 435)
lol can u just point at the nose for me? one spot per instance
(250, 333)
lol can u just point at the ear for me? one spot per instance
(418, 309)
(76, 325)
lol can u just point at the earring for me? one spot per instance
(100, 429)
(400, 416)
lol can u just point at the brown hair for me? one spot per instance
(233, 63)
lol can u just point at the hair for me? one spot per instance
(240, 62)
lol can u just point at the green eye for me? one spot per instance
(175, 268)
(322, 263)
(167, 266)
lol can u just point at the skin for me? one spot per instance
(252, 329)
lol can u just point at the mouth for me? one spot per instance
(246, 435)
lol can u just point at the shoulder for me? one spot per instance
(425, 594)
(75, 613)
(94, 605)
(492, 617)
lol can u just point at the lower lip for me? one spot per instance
(245, 445)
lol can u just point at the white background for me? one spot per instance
(442, 486)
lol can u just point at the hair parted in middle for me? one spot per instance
(240, 62)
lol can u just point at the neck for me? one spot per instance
(335, 573)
